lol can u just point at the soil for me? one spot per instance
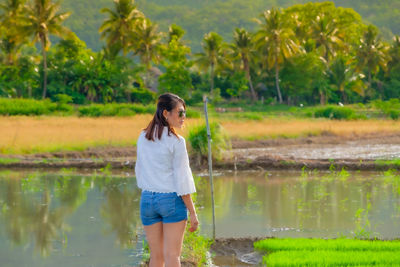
(235, 252)
(355, 152)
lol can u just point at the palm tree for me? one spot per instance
(213, 55)
(371, 53)
(11, 41)
(41, 20)
(243, 47)
(121, 22)
(394, 53)
(145, 41)
(343, 76)
(277, 40)
(175, 31)
(327, 35)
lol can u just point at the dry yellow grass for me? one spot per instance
(268, 128)
(39, 134)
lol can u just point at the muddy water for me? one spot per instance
(93, 220)
(348, 150)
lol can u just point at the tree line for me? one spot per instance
(312, 53)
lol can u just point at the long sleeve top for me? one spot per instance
(163, 165)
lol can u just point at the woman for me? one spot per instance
(164, 175)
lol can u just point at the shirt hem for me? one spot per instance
(158, 191)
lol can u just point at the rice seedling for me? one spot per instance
(363, 225)
(343, 244)
(332, 258)
(328, 252)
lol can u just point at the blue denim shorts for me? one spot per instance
(161, 207)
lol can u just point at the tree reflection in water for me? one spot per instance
(35, 207)
(121, 209)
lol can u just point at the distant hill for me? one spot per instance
(222, 16)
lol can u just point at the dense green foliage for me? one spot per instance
(221, 16)
(322, 252)
(301, 55)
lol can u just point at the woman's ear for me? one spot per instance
(165, 114)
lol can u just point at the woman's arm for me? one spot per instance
(194, 222)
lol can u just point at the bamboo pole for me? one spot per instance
(210, 163)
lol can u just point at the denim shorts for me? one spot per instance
(161, 207)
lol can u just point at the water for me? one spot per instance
(54, 219)
(348, 150)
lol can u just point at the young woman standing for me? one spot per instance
(164, 175)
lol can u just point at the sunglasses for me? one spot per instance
(181, 113)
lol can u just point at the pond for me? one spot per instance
(86, 219)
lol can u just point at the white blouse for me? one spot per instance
(163, 165)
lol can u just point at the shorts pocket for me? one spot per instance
(146, 209)
(167, 205)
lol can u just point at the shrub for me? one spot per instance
(97, 110)
(394, 114)
(143, 96)
(140, 109)
(10, 107)
(90, 111)
(389, 108)
(199, 144)
(333, 112)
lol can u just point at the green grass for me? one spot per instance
(374, 110)
(249, 111)
(31, 107)
(333, 252)
(391, 162)
(4, 161)
(195, 247)
(114, 109)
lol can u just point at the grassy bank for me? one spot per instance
(238, 110)
(321, 252)
(24, 134)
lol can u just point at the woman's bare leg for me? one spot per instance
(173, 238)
(154, 236)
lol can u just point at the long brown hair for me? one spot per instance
(156, 126)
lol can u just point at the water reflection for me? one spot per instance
(94, 220)
(29, 210)
(120, 210)
(304, 204)
(36, 208)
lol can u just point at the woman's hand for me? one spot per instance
(194, 222)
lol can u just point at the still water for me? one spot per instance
(69, 219)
